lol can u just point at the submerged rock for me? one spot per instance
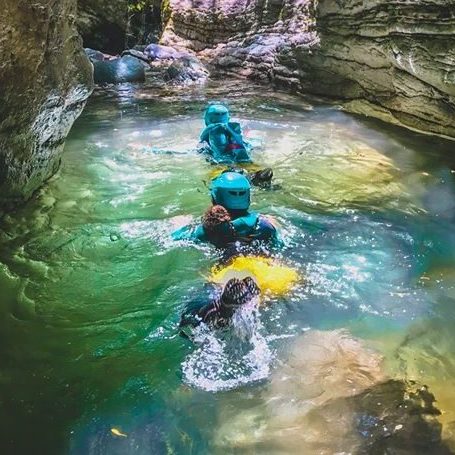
(394, 60)
(332, 396)
(45, 79)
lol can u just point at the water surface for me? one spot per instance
(93, 287)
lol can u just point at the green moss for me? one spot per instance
(166, 12)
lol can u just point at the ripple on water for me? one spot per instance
(230, 358)
(365, 211)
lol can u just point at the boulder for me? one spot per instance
(136, 54)
(186, 70)
(95, 55)
(159, 52)
(45, 80)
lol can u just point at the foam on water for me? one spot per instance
(229, 358)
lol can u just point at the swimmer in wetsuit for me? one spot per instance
(223, 143)
(230, 193)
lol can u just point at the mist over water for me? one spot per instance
(92, 287)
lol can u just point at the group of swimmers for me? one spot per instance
(229, 223)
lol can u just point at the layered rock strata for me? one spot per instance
(391, 59)
(45, 79)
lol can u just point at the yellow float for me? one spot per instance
(272, 277)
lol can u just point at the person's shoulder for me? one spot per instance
(249, 219)
(266, 224)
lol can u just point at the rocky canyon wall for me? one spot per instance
(391, 59)
(112, 26)
(45, 79)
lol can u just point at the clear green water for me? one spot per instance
(92, 287)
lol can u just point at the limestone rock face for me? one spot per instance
(392, 59)
(45, 79)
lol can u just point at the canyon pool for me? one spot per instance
(92, 287)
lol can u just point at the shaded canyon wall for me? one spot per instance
(45, 79)
(391, 59)
(112, 26)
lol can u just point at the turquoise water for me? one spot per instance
(93, 287)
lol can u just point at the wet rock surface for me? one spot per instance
(186, 70)
(162, 63)
(45, 79)
(389, 59)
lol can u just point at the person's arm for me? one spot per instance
(190, 232)
(205, 134)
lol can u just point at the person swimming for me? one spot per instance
(223, 139)
(223, 143)
(229, 222)
(219, 311)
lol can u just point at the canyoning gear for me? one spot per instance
(272, 277)
(218, 313)
(242, 230)
(261, 178)
(224, 144)
(231, 190)
(223, 139)
(216, 113)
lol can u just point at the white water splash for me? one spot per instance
(230, 358)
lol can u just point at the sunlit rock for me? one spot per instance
(387, 59)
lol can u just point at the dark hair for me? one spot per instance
(217, 225)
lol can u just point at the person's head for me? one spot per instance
(238, 292)
(232, 191)
(216, 113)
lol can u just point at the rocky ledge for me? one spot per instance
(391, 59)
(45, 79)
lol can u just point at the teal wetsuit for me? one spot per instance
(225, 143)
(244, 229)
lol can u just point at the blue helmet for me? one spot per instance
(216, 113)
(231, 190)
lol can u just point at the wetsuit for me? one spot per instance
(224, 143)
(245, 228)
